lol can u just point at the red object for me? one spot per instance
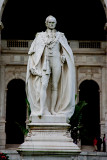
(95, 141)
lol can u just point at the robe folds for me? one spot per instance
(65, 104)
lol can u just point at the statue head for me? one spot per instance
(50, 22)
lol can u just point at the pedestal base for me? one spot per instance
(48, 139)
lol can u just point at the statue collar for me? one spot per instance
(50, 36)
(51, 31)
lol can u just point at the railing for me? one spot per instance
(17, 43)
(25, 44)
(89, 44)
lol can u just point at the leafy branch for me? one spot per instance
(76, 121)
(23, 129)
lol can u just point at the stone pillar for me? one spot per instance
(106, 129)
(2, 108)
(103, 101)
(76, 84)
(106, 88)
(2, 99)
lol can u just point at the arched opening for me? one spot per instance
(89, 91)
(79, 20)
(15, 111)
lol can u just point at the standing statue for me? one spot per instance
(50, 80)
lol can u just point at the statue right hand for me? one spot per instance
(35, 72)
(32, 71)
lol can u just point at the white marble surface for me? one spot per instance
(50, 79)
(49, 119)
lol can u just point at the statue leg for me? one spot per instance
(43, 95)
(56, 72)
(54, 98)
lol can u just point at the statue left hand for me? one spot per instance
(63, 59)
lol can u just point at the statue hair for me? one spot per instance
(47, 19)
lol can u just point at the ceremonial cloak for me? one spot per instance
(65, 103)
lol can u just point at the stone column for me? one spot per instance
(76, 84)
(103, 101)
(2, 107)
(106, 129)
(2, 99)
(106, 88)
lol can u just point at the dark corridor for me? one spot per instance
(15, 111)
(89, 91)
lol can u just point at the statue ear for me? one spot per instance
(46, 23)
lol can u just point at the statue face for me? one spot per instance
(51, 23)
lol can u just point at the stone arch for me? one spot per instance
(14, 77)
(86, 78)
(3, 4)
(104, 3)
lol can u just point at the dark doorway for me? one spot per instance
(89, 91)
(15, 111)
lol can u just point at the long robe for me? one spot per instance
(65, 103)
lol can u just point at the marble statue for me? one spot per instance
(50, 80)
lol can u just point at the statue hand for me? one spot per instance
(63, 59)
(35, 72)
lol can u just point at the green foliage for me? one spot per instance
(76, 121)
(23, 129)
(28, 106)
(4, 156)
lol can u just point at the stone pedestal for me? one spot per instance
(48, 137)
